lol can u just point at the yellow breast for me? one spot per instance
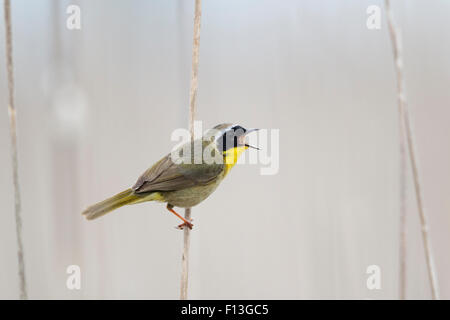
(231, 156)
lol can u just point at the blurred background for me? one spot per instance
(97, 106)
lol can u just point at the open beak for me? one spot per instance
(250, 130)
(246, 133)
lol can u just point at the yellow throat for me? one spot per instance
(231, 156)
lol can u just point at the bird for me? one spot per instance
(186, 176)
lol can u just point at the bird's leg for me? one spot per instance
(185, 222)
(181, 226)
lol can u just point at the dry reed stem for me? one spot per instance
(402, 222)
(403, 111)
(192, 104)
(14, 160)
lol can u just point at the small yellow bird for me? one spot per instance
(185, 177)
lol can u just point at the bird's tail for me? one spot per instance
(110, 204)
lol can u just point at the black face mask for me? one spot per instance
(229, 139)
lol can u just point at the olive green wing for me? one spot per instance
(166, 175)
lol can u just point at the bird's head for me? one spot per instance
(230, 140)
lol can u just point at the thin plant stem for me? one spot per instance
(14, 158)
(192, 106)
(403, 220)
(403, 111)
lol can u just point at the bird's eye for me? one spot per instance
(229, 140)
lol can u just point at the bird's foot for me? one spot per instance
(184, 224)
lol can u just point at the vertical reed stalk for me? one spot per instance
(14, 160)
(403, 111)
(192, 104)
(402, 187)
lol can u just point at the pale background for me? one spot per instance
(97, 106)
